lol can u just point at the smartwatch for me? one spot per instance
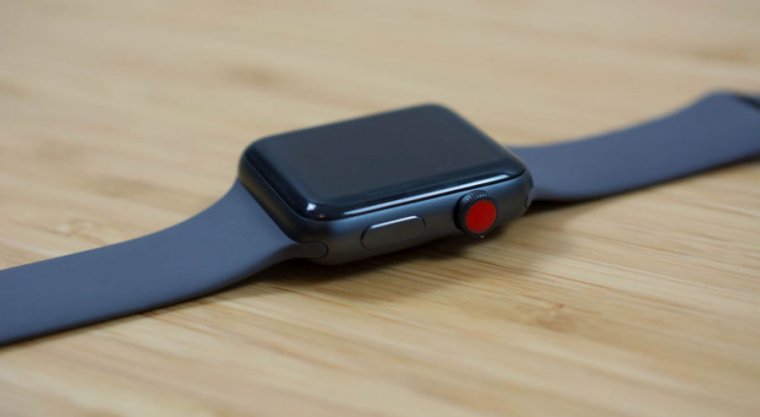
(360, 188)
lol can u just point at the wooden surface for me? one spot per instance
(121, 118)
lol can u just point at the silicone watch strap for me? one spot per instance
(718, 129)
(230, 240)
(235, 237)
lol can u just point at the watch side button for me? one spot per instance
(394, 231)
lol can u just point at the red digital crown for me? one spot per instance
(476, 213)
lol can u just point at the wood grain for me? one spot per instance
(121, 118)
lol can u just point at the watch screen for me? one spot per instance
(345, 168)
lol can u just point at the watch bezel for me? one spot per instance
(355, 166)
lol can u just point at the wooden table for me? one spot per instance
(120, 119)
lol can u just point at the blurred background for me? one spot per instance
(119, 118)
(173, 76)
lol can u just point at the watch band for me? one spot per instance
(230, 240)
(235, 237)
(716, 130)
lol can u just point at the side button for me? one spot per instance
(394, 231)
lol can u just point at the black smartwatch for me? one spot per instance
(361, 188)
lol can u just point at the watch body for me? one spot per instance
(381, 183)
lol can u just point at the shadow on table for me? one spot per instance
(300, 275)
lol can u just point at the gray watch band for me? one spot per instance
(230, 240)
(718, 129)
(236, 238)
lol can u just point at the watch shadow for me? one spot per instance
(369, 280)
